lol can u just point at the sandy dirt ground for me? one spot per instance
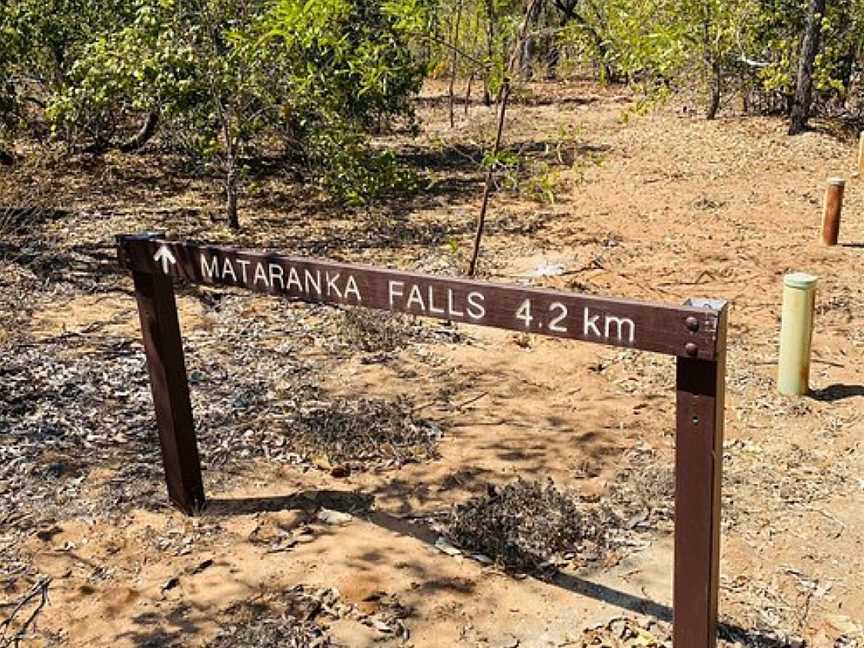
(660, 206)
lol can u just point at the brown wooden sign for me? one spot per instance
(676, 330)
(694, 332)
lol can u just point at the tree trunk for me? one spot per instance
(232, 188)
(490, 49)
(231, 191)
(716, 88)
(610, 74)
(454, 62)
(607, 71)
(712, 60)
(846, 68)
(148, 130)
(232, 172)
(809, 49)
(553, 58)
(529, 46)
(503, 97)
(490, 176)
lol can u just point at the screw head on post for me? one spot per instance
(691, 349)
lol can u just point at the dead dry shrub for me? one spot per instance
(369, 331)
(524, 524)
(13, 630)
(300, 618)
(372, 331)
(366, 432)
(530, 525)
(281, 632)
(16, 220)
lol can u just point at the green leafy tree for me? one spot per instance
(349, 69)
(40, 41)
(223, 78)
(192, 64)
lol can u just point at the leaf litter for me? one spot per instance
(368, 331)
(366, 432)
(72, 404)
(632, 632)
(300, 618)
(81, 401)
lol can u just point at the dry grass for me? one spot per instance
(371, 331)
(289, 621)
(365, 433)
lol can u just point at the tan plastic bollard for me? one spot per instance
(796, 333)
(861, 154)
(831, 211)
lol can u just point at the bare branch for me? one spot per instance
(503, 96)
(40, 589)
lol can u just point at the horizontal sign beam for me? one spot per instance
(685, 331)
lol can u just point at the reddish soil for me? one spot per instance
(661, 206)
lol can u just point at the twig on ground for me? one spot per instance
(471, 400)
(39, 589)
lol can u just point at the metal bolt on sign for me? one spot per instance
(695, 333)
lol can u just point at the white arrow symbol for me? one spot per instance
(163, 255)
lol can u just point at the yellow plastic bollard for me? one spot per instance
(796, 333)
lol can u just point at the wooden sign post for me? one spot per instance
(831, 210)
(695, 333)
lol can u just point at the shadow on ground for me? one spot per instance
(360, 504)
(836, 392)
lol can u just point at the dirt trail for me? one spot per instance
(662, 207)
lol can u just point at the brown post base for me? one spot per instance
(157, 310)
(700, 386)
